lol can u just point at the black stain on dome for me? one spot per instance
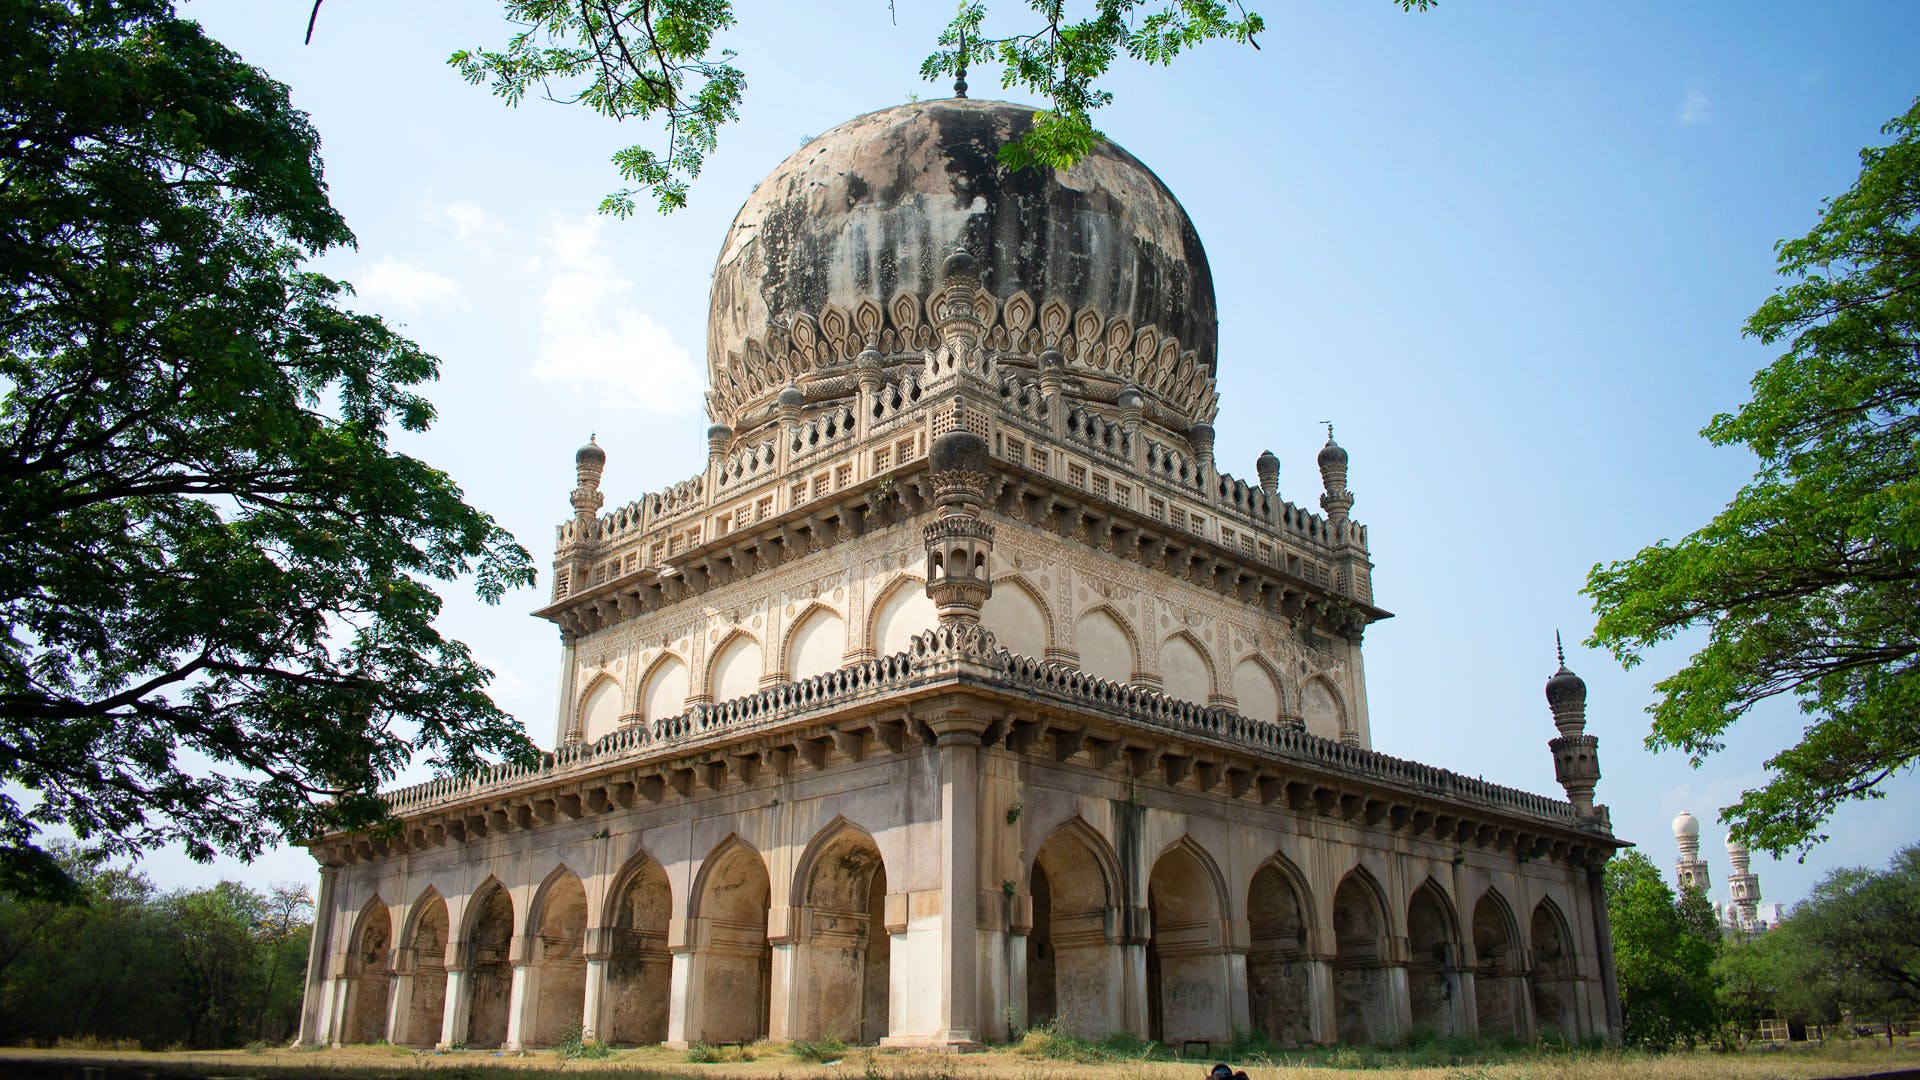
(878, 219)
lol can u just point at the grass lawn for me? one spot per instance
(1037, 1059)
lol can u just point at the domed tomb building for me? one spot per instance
(960, 690)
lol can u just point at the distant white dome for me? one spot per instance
(1685, 825)
(1735, 847)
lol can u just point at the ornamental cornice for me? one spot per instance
(1101, 355)
(1036, 708)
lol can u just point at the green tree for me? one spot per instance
(657, 60)
(1808, 583)
(218, 953)
(216, 613)
(98, 966)
(1664, 967)
(1865, 926)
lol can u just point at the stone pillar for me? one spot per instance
(520, 1003)
(1239, 1007)
(957, 736)
(785, 965)
(1321, 1004)
(454, 1015)
(313, 1002)
(339, 999)
(1466, 1007)
(1399, 1001)
(1132, 985)
(400, 1001)
(591, 1021)
(1603, 951)
(565, 715)
(682, 1008)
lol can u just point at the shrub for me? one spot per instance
(825, 1048)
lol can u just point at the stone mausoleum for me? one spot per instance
(961, 691)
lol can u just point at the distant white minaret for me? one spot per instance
(1744, 884)
(1691, 870)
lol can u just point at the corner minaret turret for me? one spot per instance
(1690, 872)
(1744, 884)
(959, 541)
(1333, 475)
(1576, 755)
(588, 463)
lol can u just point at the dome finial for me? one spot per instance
(960, 75)
(1559, 650)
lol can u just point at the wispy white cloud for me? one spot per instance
(407, 286)
(472, 224)
(1695, 109)
(592, 338)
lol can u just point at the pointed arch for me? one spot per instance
(1324, 709)
(1433, 973)
(636, 913)
(664, 688)
(599, 708)
(1107, 644)
(1497, 964)
(428, 896)
(369, 963)
(1551, 971)
(1186, 946)
(727, 847)
(557, 922)
(487, 926)
(845, 956)
(824, 838)
(1362, 1006)
(808, 647)
(1020, 617)
(1280, 923)
(1187, 671)
(735, 666)
(732, 957)
(425, 941)
(1075, 885)
(373, 920)
(1259, 689)
(897, 614)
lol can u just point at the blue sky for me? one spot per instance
(1507, 247)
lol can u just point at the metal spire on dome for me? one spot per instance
(1559, 650)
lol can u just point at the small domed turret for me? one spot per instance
(958, 451)
(590, 454)
(1268, 469)
(1564, 688)
(1332, 455)
(1685, 825)
(791, 397)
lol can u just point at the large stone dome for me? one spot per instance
(870, 211)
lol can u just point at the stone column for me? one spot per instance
(1399, 1001)
(1239, 1007)
(683, 1007)
(1321, 1004)
(591, 1021)
(1603, 950)
(313, 1003)
(1466, 1006)
(400, 999)
(454, 1014)
(784, 926)
(564, 713)
(523, 996)
(957, 735)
